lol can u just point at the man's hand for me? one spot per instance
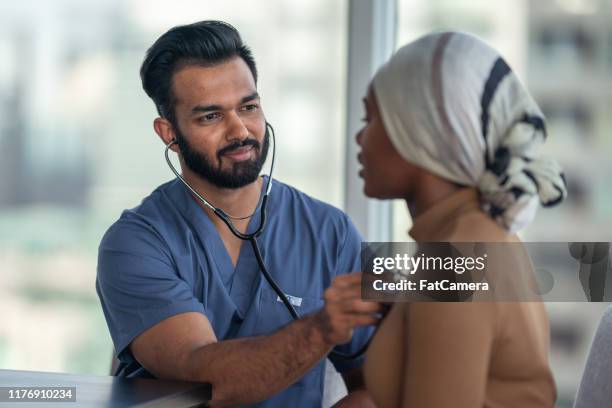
(344, 310)
(185, 347)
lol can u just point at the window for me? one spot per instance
(79, 145)
(560, 50)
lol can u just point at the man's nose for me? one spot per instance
(236, 128)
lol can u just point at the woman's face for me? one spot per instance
(385, 173)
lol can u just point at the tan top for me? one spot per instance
(478, 354)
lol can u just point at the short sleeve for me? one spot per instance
(138, 283)
(349, 260)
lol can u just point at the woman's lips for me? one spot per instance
(360, 160)
(240, 154)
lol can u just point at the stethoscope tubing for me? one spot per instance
(252, 237)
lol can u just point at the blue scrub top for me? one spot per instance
(166, 257)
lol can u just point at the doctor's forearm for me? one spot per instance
(251, 369)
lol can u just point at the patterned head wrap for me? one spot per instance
(451, 105)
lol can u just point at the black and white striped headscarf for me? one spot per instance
(451, 105)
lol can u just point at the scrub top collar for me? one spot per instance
(207, 233)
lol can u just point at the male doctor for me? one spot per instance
(183, 297)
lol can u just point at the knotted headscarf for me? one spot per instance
(451, 105)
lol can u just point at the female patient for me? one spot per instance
(450, 129)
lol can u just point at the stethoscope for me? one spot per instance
(252, 237)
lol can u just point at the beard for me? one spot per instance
(239, 175)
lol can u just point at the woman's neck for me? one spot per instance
(429, 189)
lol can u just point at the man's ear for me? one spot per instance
(165, 131)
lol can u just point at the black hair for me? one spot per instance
(204, 43)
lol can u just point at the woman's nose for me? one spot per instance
(359, 137)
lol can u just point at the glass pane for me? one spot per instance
(79, 147)
(561, 50)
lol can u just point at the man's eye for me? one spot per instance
(249, 108)
(209, 117)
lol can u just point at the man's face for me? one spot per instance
(220, 127)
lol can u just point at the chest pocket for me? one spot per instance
(273, 314)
